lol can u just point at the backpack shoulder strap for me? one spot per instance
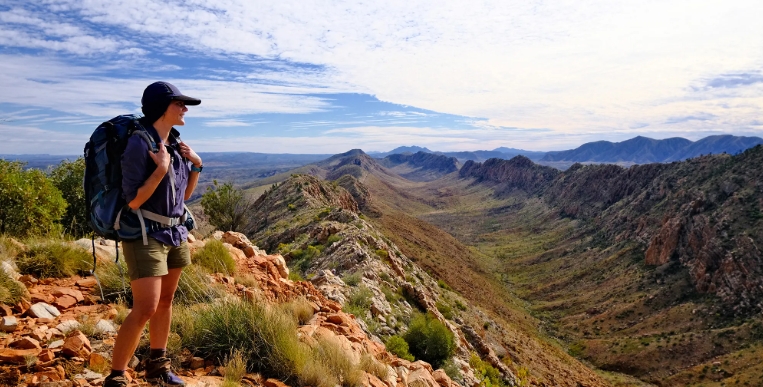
(143, 133)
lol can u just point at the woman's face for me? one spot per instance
(175, 113)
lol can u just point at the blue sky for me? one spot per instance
(326, 77)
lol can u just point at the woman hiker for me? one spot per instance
(157, 183)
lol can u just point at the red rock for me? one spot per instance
(51, 374)
(76, 294)
(442, 378)
(249, 251)
(5, 310)
(22, 306)
(373, 381)
(338, 319)
(76, 344)
(16, 356)
(41, 297)
(26, 343)
(98, 362)
(87, 282)
(65, 302)
(28, 280)
(421, 378)
(46, 355)
(274, 383)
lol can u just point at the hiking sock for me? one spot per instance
(157, 353)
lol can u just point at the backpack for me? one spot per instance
(108, 213)
(103, 171)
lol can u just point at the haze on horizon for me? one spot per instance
(326, 77)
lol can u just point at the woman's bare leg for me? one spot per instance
(146, 293)
(159, 326)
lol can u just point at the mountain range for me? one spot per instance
(643, 150)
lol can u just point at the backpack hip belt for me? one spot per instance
(164, 221)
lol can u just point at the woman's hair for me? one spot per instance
(152, 112)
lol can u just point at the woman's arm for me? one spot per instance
(193, 177)
(162, 160)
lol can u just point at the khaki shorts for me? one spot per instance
(155, 259)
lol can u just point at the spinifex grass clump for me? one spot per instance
(266, 337)
(215, 257)
(53, 258)
(194, 286)
(11, 291)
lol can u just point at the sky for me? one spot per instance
(328, 76)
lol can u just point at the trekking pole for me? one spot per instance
(95, 262)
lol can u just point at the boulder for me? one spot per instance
(280, 264)
(8, 324)
(237, 239)
(442, 378)
(104, 326)
(77, 345)
(46, 355)
(421, 378)
(76, 294)
(98, 361)
(196, 363)
(88, 282)
(26, 343)
(43, 310)
(68, 325)
(16, 356)
(56, 344)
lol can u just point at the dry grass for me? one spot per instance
(53, 258)
(300, 308)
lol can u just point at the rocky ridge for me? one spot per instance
(325, 239)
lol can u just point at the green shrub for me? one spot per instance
(227, 207)
(353, 279)
(67, 177)
(333, 238)
(11, 291)
(488, 375)
(389, 295)
(383, 254)
(430, 340)
(443, 285)
(399, 347)
(29, 202)
(215, 257)
(361, 298)
(54, 258)
(452, 370)
(445, 309)
(115, 283)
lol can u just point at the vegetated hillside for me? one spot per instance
(652, 270)
(642, 150)
(421, 166)
(324, 238)
(316, 225)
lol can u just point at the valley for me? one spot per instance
(649, 274)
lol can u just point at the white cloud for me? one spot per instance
(579, 68)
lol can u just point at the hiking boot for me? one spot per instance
(115, 381)
(158, 372)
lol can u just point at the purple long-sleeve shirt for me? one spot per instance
(137, 166)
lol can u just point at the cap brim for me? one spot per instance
(188, 100)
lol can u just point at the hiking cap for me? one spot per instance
(159, 93)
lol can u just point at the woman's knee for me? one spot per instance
(144, 312)
(165, 301)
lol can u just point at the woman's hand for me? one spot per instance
(161, 158)
(189, 154)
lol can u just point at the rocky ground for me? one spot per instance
(61, 333)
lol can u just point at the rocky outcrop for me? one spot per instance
(519, 173)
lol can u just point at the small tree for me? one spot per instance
(29, 202)
(68, 177)
(227, 207)
(430, 340)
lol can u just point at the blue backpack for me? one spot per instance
(103, 172)
(108, 213)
